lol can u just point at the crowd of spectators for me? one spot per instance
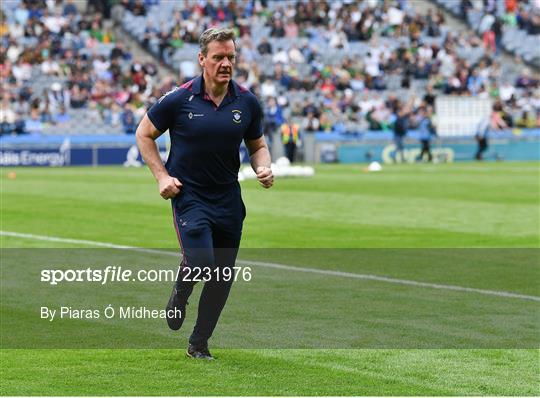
(498, 15)
(408, 53)
(524, 14)
(354, 93)
(79, 53)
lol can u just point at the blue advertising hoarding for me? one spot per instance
(58, 151)
(378, 146)
(442, 152)
(78, 151)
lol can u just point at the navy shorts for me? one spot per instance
(208, 219)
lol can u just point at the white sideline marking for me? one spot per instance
(497, 293)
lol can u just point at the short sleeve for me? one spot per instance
(254, 130)
(161, 114)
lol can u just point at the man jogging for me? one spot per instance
(207, 118)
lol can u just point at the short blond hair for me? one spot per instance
(215, 34)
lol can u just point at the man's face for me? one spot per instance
(218, 64)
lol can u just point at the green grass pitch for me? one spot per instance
(480, 205)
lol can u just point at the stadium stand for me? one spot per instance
(510, 24)
(339, 66)
(64, 71)
(349, 62)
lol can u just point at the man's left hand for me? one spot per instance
(265, 176)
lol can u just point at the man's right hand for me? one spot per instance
(169, 187)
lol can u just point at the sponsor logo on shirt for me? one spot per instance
(191, 115)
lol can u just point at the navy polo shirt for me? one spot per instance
(205, 139)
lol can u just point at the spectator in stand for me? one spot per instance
(526, 120)
(338, 39)
(92, 113)
(268, 88)
(310, 123)
(20, 125)
(128, 120)
(378, 117)
(291, 29)
(295, 55)
(281, 56)
(502, 113)
(506, 91)
(7, 117)
(247, 52)
(33, 124)
(273, 118)
(475, 82)
(277, 29)
(61, 118)
(325, 122)
(310, 107)
(70, 9)
(433, 23)
(490, 6)
(525, 102)
(339, 126)
(264, 47)
(429, 97)
(498, 29)
(149, 34)
(373, 122)
(525, 80)
(137, 8)
(78, 96)
(116, 115)
(45, 112)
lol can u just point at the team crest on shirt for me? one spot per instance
(237, 116)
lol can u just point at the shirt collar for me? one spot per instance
(198, 87)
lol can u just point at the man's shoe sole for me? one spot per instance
(173, 322)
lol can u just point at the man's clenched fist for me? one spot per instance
(265, 176)
(169, 187)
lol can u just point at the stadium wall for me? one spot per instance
(443, 152)
(59, 151)
(518, 145)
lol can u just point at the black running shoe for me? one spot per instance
(199, 352)
(175, 320)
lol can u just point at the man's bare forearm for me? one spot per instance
(150, 154)
(146, 136)
(260, 158)
(259, 155)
